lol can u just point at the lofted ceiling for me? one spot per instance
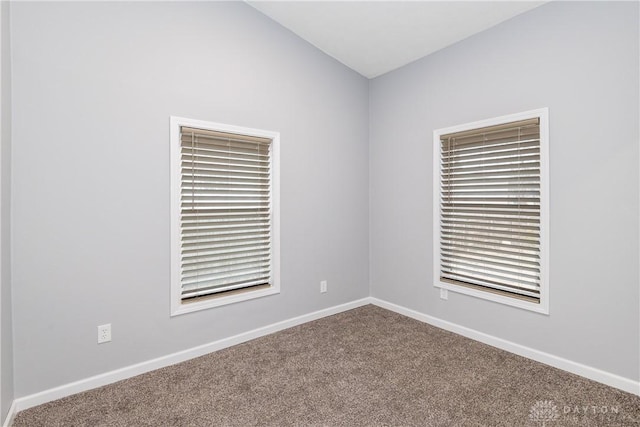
(375, 37)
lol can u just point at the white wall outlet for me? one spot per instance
(104, 333)
(444, 293)
(323, 286)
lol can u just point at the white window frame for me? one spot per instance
(177, 307)
(543, 305)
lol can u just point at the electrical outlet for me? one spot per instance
(104, 333)
(444, 293)
(323, 286)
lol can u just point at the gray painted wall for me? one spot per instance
(581, 61)
(6, 338)
(94, 85)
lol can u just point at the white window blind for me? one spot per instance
(490, 209)
(225, 212)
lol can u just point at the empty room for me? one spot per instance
(313, 213)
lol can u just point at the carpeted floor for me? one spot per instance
(364, 367)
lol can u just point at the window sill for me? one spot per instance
(542, 307)
(223, 299)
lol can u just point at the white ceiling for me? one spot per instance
(374, 37)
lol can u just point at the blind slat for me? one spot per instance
(498, 225)
(509, 146)
(204, 290)
(198, 253)
(486, 243)
(187, 132)
(514, 268)
(492, 130)
(205, 262)
(524, 252)
(199, 226)
(225, 278)
(515, 260)
(491, 274)
(225, 269)
(517, 290)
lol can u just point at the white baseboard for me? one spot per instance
(45, 396)
(11, 414)
(589, 372)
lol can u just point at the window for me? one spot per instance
(491, 209)
(224, 214)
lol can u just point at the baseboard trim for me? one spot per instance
(100, 380)
(11, 414)
(589, 372)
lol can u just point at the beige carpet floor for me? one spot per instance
(364, 367)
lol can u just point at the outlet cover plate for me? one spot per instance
(323, 286)
(104, 333)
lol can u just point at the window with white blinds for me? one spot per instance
(492, 209)
(224, 234)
